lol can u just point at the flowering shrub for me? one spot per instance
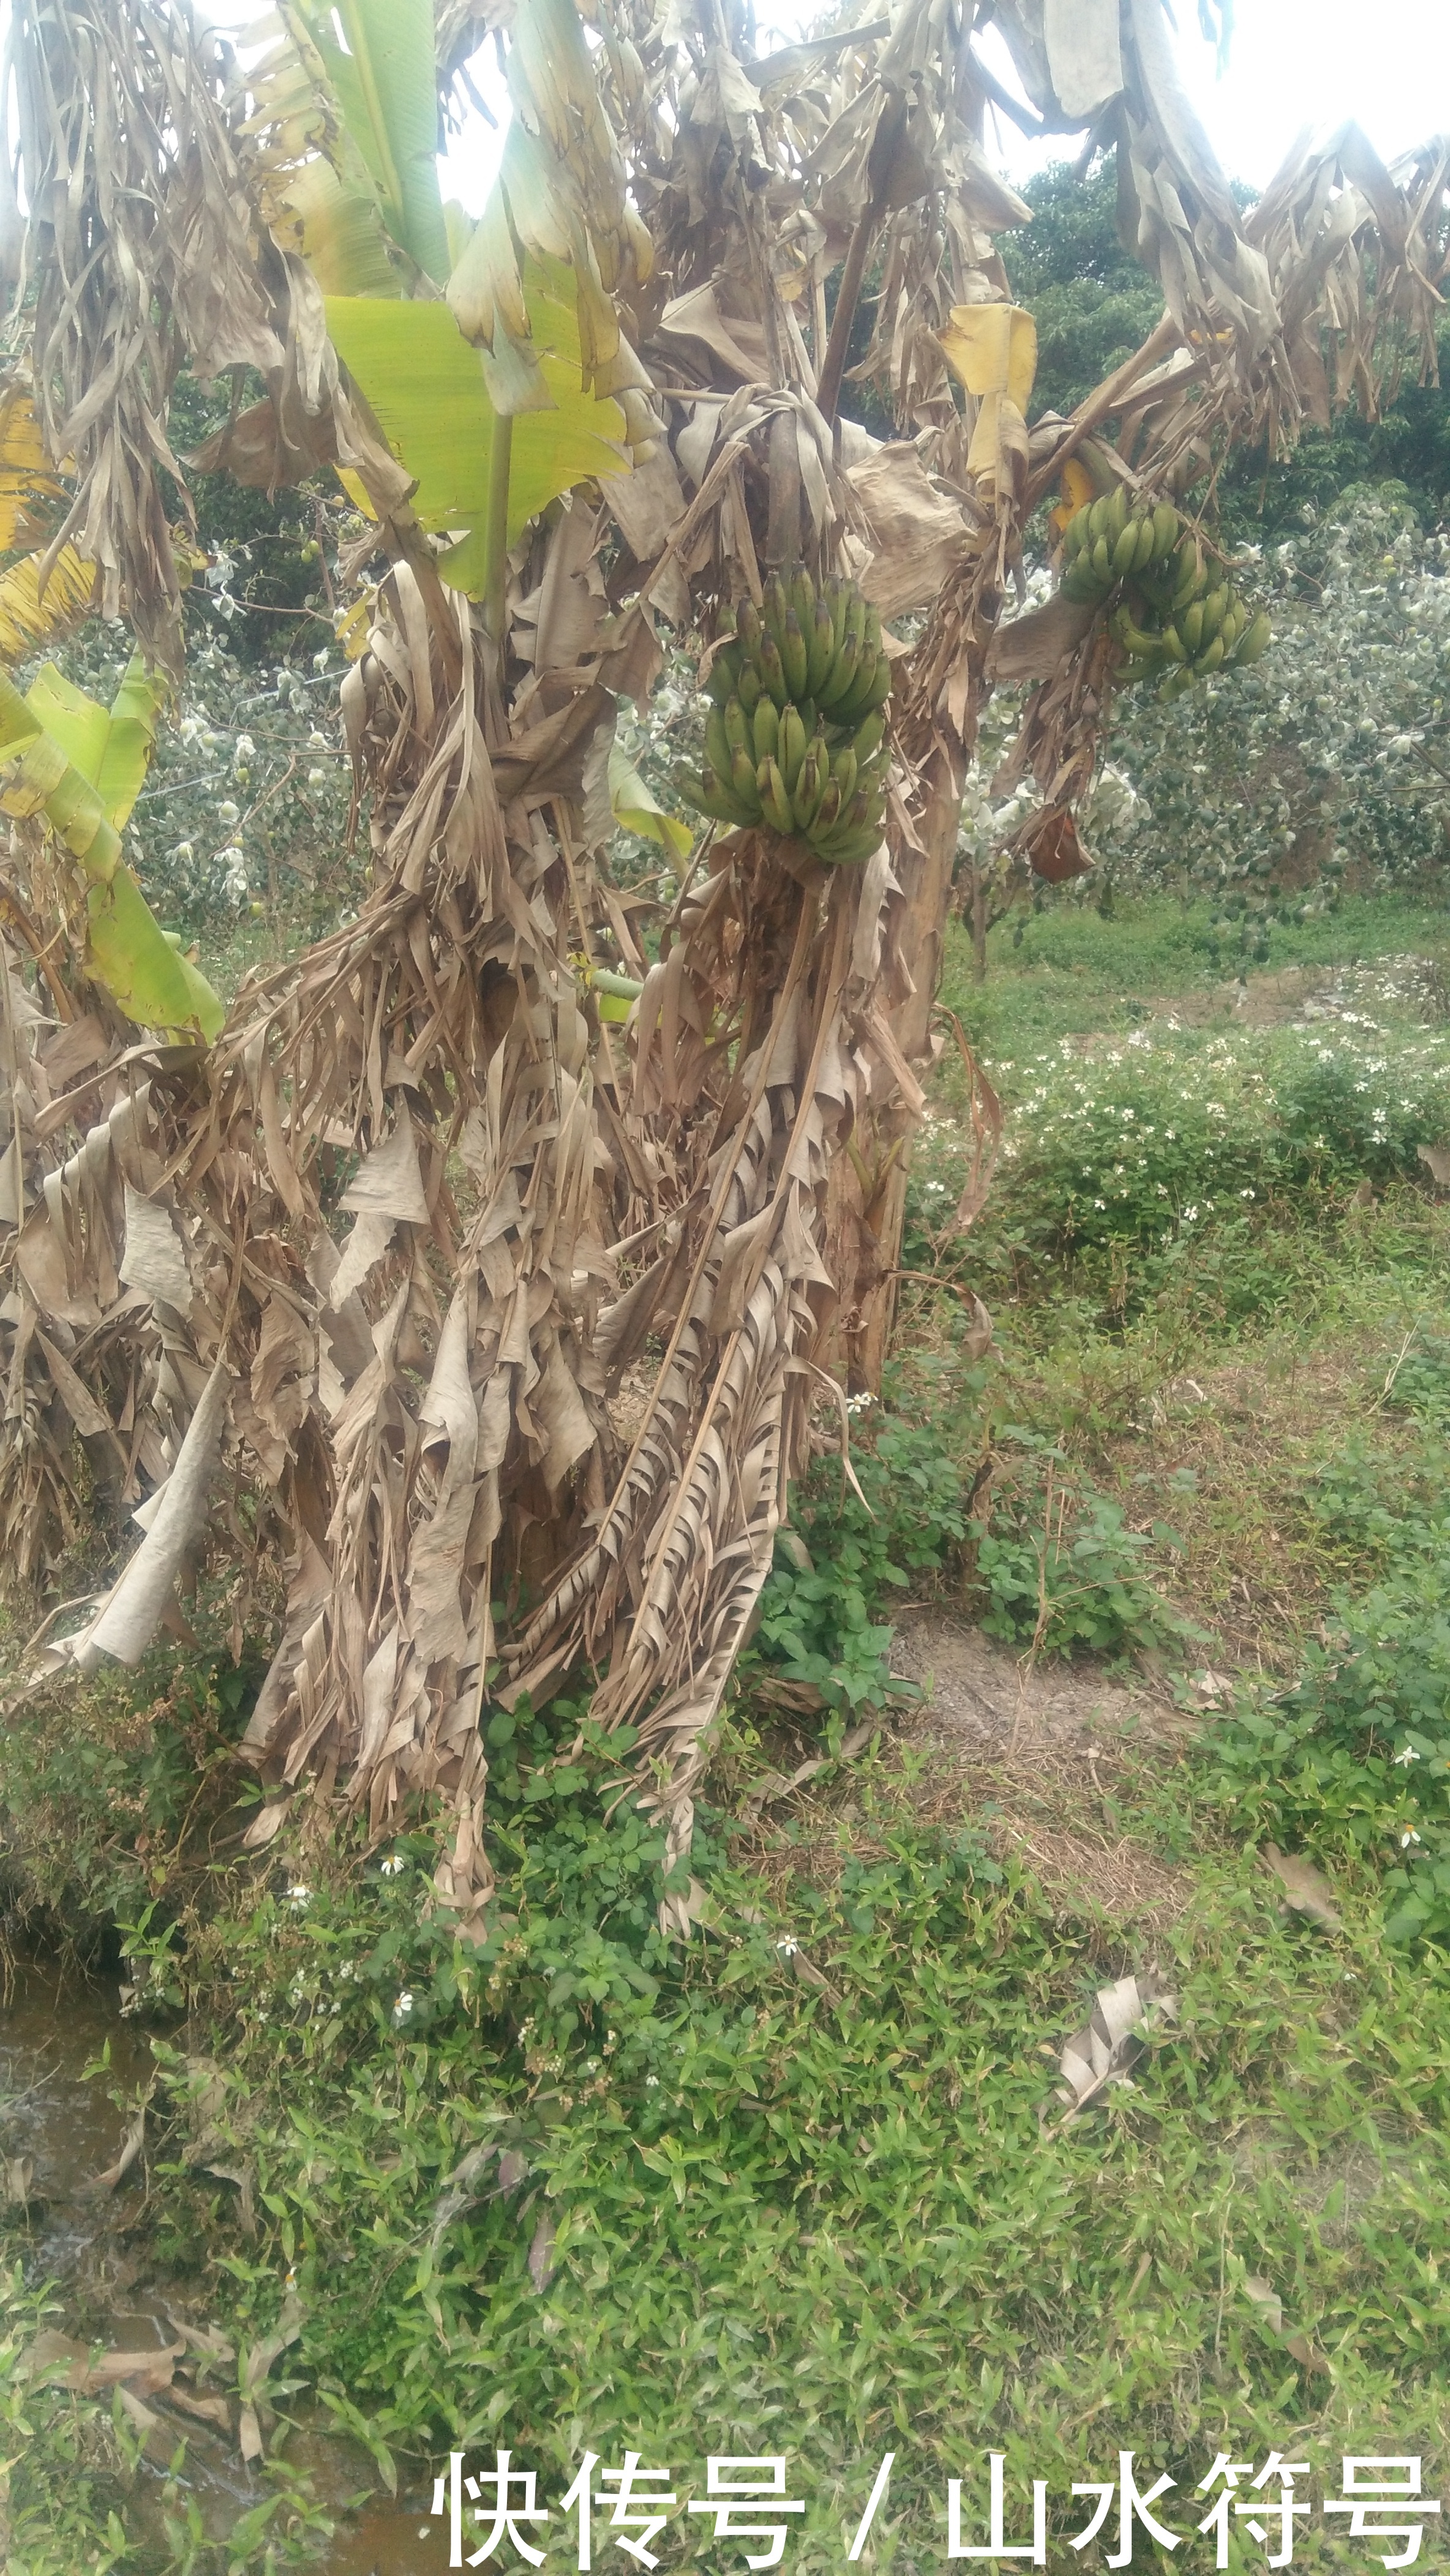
(248, 792)
(1141, 1140)
(1324, 765)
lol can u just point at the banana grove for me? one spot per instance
(371, 1254)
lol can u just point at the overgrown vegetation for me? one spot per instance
(786, 2186)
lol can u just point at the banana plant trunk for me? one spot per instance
(868, 1188)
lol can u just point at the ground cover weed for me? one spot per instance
(853, 1541)
(1058, 1569)
(825, 2213)
(1355, 1758)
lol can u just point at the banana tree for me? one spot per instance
(420, 1372)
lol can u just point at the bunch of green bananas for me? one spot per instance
(796, 737)
(1111, 540)
(1180, 622)
(1210, 633)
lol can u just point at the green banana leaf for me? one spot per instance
(111, 746)
(383, 77)
(426, 389)
(639, 810)
(129, 953)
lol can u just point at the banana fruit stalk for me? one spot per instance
(796, 737)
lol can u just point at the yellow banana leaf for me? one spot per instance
(1076, 486)
(130, 953)
(638, 810)
(30, 616)
(340, 233)
(426, 388)
(993, 349)
(28, 482)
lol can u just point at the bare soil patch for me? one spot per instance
(1036, 1753)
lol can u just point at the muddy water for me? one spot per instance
(59, 2128)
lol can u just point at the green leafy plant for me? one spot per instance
(1059, 1569)
(851, 1546)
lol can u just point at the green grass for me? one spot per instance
(1076, 972)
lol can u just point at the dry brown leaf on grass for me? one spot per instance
(1301, 2347)
(1124, 2017)
(1436, 1159)
(131, 2146)
(17, 2173)
(1306, 1889)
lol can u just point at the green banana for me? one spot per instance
(810, 787)
(773, 606)
(794, 655)
(710, 795)
(1252, 644)
(869, 736)
(749, 690)
(1125, 552)
(1165, 531)
(821, 642)
(775, 803)
(1102, 560)
(742, 782)
(1190, 627)
(856, 847)
(749, 629)
(858, 699)
(1215, 609)
(828, 811)
(792, 748)
(1209, 659)
(772, 670)
(724, 672)
(765, 730)
(843, 769)
(1133, 636)
(1080, 583)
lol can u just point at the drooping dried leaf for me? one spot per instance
(127, 1620)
